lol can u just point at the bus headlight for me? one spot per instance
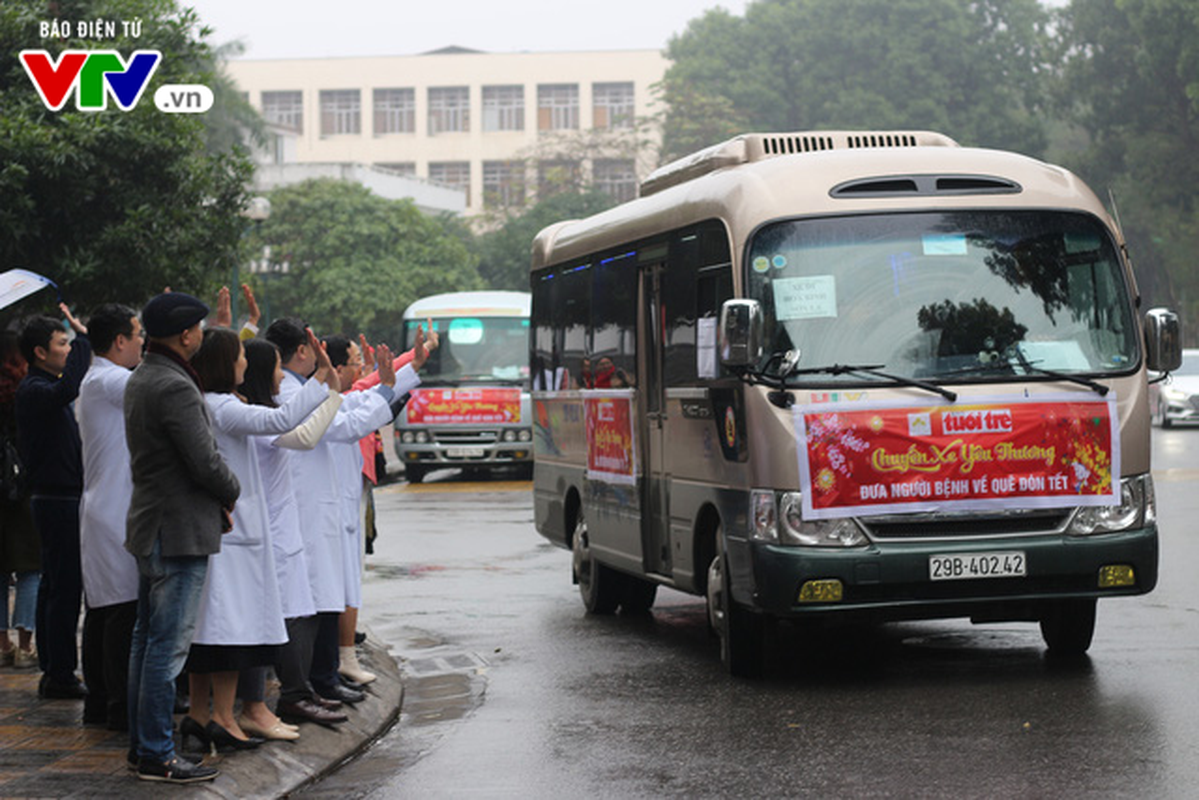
(764, 524)
(794, 529)
(525, 435)
(407, 438)
(422, 437)
(509, 436)
(1137, 508)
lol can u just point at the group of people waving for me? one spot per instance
(220, 520)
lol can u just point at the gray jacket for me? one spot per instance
(180, 480)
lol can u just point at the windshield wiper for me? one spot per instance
(1095, 386)
(873, 370)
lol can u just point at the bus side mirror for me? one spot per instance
(1163, 340)
(740, 333)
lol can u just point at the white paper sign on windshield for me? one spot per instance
(805, 298)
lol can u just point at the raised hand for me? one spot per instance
(420, 352)
(252, 311)
(326, 373)
(368, 354)
(224, 308)
(433, 338)
(387, 367)
(74, 322)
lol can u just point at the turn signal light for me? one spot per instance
(821, 591)
(1112, 576)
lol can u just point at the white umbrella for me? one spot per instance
(17, 284)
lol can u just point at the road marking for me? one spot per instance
(448, 488)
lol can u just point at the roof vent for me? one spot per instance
(927, 185)
(751, 147)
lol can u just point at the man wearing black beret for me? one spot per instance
(183, 492)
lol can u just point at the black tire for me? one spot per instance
(599, 586)
(742, 633)
(637, 595)
(414, 474)
(1067, 626)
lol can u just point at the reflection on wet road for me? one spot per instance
(512, 691)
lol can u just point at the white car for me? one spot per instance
(1176, 399)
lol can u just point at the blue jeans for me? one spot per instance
(24, 610)
(168, 601)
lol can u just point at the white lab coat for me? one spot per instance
(348, 460)
(241, 604)
(316, 480)
(283, 510)
(109, 570)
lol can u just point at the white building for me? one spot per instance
(496, 125)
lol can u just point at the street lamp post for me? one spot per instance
(256, 211)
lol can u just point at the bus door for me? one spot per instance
(655, 487)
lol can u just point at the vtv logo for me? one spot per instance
(93, 74)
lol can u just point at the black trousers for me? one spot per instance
(295, 659)
(61, 592)
(326, 658)
(107, 640)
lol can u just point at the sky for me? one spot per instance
(320, 28)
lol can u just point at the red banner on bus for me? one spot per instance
(611, 443)
(463, 406)
(983, 453)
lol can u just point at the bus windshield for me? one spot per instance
(966, 296)
(476, 350)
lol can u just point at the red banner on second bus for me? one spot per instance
(611, 444)
(463, 406)
(857, 459)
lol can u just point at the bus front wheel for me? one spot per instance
(414, 474)
(742, 633)
(599, 585)
(1067, 626)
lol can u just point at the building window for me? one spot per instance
(612, 105)
(454, 174)
(503, 108)
(395, 111)
(558, 107)
(449, 109)
(285, 109)
(341, 112)
(503, 184)
(406, 169)
(556, 175)
(615, 177)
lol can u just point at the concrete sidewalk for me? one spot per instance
(45, 751)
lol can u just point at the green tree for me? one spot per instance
(970, 70)
(356, 260)
(507, 250)
(114, 205)
(1131, 81)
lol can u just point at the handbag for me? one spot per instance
(12, 472)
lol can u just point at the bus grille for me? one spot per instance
(952, 526)
(465, 437)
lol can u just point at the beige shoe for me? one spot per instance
(280, 730)
(24, 659)
(350, 668)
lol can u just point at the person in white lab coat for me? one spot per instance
(314, 475)
(242, 575)
(264, 374)
(109, 570)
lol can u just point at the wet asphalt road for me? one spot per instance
(513, 692)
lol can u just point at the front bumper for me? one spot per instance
(890, 581)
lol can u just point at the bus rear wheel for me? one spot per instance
(1067, 626)
(742, 633)
(599, 586)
